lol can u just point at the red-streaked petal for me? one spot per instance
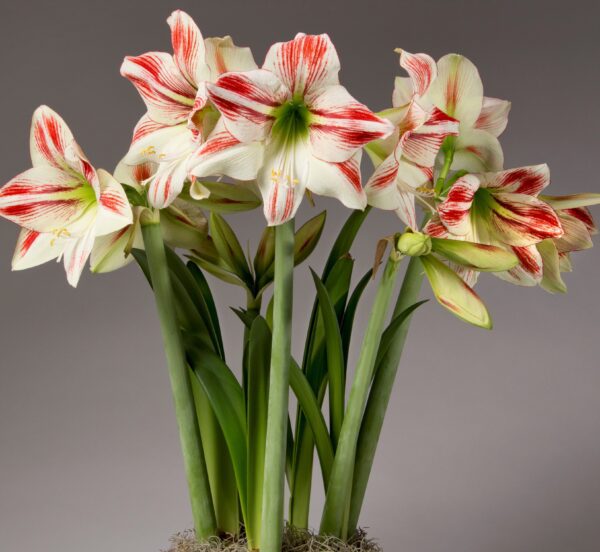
(152, 139)
(584, 215)
(223, 56)
(455, 210)
(339, 180)
(576, 235)
(108, 253)
(47, 199)
(134, 175)
(35, 248)
(524, 180)
(421, 68)
(283, 180)
(381, 188)
(167, 183)
(477, 151)
(494, 116)
(247, 102)
(458, 90)
(75, 256)
(422, 144)
(188, 47)
(49, 138)
(224, 155)
(520, 220)
(114, 211)
(340, 125)
(529, 271)
(436, 229)
(305, 64)
(167, 93)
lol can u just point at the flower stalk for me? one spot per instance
(189, 431)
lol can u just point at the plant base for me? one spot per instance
(294, 540)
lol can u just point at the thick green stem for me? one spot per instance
(381, 391)
(277, 423)
(189, 432)
(335, 514)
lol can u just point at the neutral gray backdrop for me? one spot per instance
(493, 439)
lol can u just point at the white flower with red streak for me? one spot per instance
(408, 170)
(309, 126)
(501, 209)
(180, 116)
(62, 203)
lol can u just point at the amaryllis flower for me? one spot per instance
(310, 127)
(62, 203)
(501, 209)
(408, 169)
(180, 116)
(183, 224)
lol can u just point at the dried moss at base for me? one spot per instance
(294, 540)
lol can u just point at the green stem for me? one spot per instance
(189, 432)
(380, 393)
(277, 423)
(335, 514)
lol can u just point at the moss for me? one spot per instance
(294, 540)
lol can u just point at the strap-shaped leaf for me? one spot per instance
(350, 312)
(226, 198)
(335, 358)
(227, 400)
(229, 248)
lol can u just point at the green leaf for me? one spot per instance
(454, 294)
(265, 254)
(258, 364)
(478, 256)
(229, 248)
(226, 198)
(227, 400)
(350, 312)
(335, 359)
(217, 271)
(135, 198)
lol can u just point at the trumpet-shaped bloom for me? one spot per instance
(309, 127)
(63, 204)
(501, 209)
(179, 116)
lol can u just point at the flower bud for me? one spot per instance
(414, 244)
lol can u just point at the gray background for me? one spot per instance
(493, 440)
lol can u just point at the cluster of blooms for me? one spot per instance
(288, 129)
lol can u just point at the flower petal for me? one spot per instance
(340, 124)
(167, 183)
(114, 211)
(551, 281)
(188, 47)
(305, 64)
(455, 210)
(381, 189)
(151, 139)
(403, 91)
(247, 102)
(477, 151)
(283, 180)
(584, 215)
(571, 201)
(576, 235)
(458, 90)
(35, 248)
(49, 138)
(47, 199)
(421, 68)
(109, 254)
(167, 93)
(134, 175)
(477, 256)
(223, 56)
(524, 180)
(223, 154)
(76, 254)
(494, 116)
(529, 271)
(339, 180)
(454, 294)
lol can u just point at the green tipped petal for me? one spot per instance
(571, 201)
(454, 294)
(551, 279)
(477, 256)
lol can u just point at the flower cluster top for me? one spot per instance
(288, 129)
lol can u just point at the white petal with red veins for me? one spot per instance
(339, 125)
(529, 271)
(150, 139)
(339, 180)
(458, 90)
(47, 199)
(477, 151)
(49, 138)
(381, 189)
(305, 64)
(247, 102)
(494, 116)
(75, 255)
(167, 183)
(108, 253)
(421, 68)
(35, 248)
(524, 180)
(134, 175)
(576, 235)
(114, 211)
(188, 47)
(455, 210)
(167, 93)
(223, 56)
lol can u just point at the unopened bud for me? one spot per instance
(414, 244)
